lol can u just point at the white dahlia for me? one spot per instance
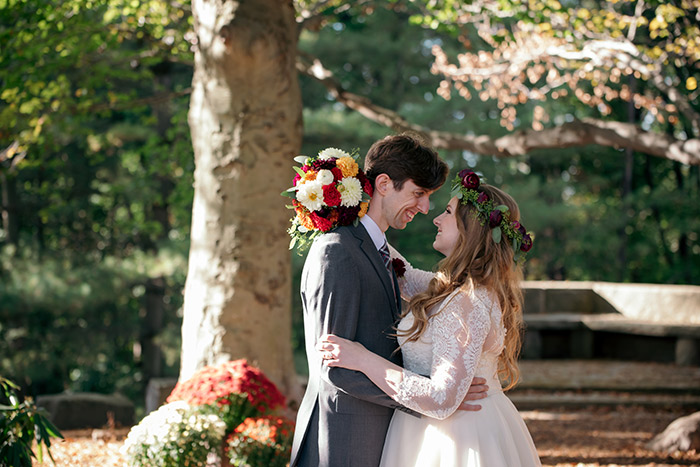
(350, 191)
(332, 152)
(310, 194)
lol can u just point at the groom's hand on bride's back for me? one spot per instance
(476, 392)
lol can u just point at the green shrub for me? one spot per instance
(21, 423)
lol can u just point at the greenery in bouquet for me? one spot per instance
(261, 441)
(329, 190)
(21, 424)
(177, 434)
(234, 390)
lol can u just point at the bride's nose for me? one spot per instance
(436, 221)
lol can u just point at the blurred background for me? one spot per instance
(96, 171)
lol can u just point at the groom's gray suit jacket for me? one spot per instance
(347, 291)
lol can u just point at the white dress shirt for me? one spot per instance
(375, 233)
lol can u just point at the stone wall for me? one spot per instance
(653, 302)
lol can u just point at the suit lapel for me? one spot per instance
(368, 248)
(397, 296)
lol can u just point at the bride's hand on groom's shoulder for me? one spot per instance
(340, 352)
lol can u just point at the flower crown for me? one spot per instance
(465, 187)
(329, 190)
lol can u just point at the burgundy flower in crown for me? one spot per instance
(399, 267)
(495, 218)
(483, 197)
(470, 180)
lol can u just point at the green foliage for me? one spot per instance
(97, 157)
(97, 183)
(21, 424)
(76, 326)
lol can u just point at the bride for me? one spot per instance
(462, 321)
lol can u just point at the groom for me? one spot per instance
(347, 290)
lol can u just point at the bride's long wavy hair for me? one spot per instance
(478, 261)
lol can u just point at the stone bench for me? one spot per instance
(579, 329)
(69, 411)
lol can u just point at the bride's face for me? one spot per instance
(448, 232)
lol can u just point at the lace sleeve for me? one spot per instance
(459, 331)
(414, 280)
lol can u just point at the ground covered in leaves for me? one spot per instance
(601, 436)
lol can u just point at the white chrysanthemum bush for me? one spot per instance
(175, 435)
(224, 415)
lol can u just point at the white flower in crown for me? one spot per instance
(329, 153)
(325, 177)
(350, 190)
(310, 194)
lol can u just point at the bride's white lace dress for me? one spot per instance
(462, 341)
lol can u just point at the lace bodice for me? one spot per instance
(464, 339)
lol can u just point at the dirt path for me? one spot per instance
(574, 438)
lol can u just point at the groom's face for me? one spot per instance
(400, 206)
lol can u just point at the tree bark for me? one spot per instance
(246, 122)
(10, 219)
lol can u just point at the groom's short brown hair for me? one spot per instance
(406, 157)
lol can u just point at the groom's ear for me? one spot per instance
(382, 184)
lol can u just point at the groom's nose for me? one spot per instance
(424, 204)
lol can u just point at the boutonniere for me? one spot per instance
(399, 267)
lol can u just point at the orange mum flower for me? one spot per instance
(363, 209)
(304, 217)
(348, 166)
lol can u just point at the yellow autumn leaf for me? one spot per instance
(691, 84)
(583, 13)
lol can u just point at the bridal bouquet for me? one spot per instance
(329, 190)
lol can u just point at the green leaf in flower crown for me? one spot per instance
(496, 235)
(502, 208)
(300, 159)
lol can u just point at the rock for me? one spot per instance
(157, 391)
(70, 411)
(682, 434)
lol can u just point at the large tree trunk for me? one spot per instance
(246, 123)
(10, 208)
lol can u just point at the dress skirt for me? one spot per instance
(495, 436)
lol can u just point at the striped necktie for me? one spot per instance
(384, 251)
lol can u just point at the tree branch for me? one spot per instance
(573, 134)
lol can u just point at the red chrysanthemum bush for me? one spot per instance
(233, 390)
(262, 441)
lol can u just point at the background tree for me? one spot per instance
(97, 170)
(245, 117)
